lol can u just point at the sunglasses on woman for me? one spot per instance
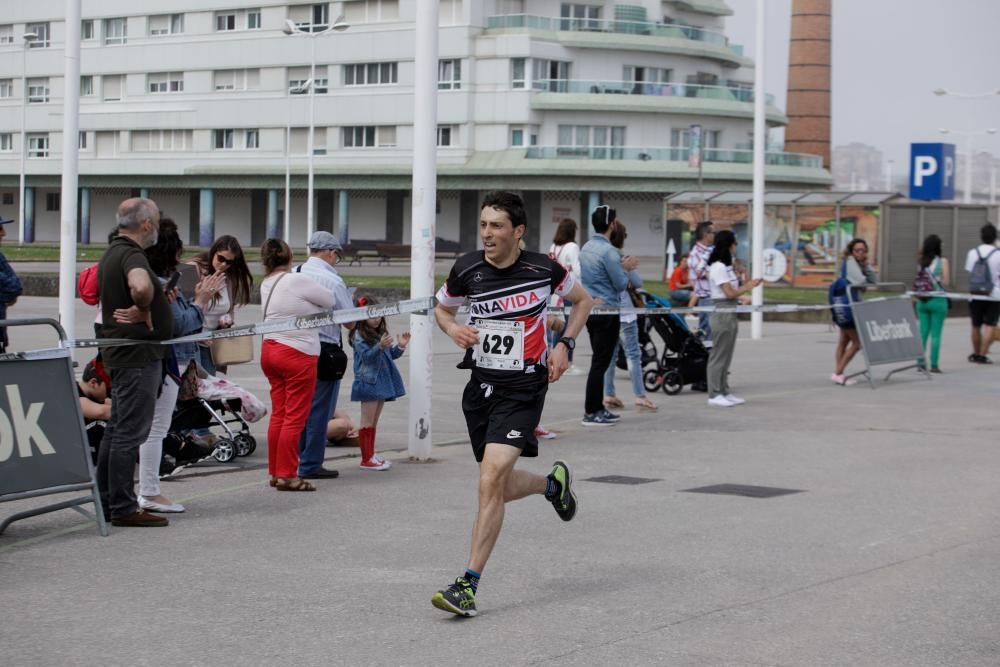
(224, 260)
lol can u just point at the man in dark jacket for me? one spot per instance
(10, 286)
(133, 305)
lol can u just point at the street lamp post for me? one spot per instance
(28, 38)
(969, 133)
(292, 29)
(298, 90)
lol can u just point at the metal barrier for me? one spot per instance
(43, 444)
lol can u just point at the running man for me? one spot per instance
(508, 291)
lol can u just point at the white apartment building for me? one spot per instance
(198, 104)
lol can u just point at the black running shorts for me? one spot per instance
(494, 414)
(984, 313)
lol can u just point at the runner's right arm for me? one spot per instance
(465, 336)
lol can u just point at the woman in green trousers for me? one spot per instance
(933, 270)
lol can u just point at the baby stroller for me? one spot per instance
(684, 359)
(215, 403)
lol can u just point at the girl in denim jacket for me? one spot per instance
(376, 379)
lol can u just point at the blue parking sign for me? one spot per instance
(932, 171)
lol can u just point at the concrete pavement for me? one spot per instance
(886, 556)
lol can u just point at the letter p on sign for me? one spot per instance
(923, 166)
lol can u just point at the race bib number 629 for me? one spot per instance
(501, 345)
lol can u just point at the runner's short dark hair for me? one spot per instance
(508, 202)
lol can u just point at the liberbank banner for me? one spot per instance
(42, 443)
(889, 331)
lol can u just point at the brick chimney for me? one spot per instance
(808, 102)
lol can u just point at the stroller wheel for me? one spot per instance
(652, 379)
(245, 444)
(225, 450)
(673, 382)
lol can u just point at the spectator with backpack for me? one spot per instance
(983, 265)
(855, 273)
(933, 275)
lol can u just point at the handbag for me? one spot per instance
(332, 362)
(230, 351)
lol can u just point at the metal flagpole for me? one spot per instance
(424, 199)
(70, 169)
(759, 153)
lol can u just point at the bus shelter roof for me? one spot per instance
(784, 197)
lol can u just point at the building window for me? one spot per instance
(38, 145)
(252, 139)
(237, 79)
(166, 24)
(447, 135)
(8, 197)
(6, 145)
(51, 201)
(86, 86)
(299, 76)
(6, 88)
(253, 19)
(225, 139)
(115, 31)
(41, 32)
(225, 21)
(681, 138)
(112, 87)
(598, 141)
(371, 11)
(450, 12)
(368, 136)
(87, 31)
(371, 74)
(38, 90)
(449, 74)
(580, 17)
(550, 75)
(320, 15)
(516, 136)
(517, 72)
(82, 141)
(166, 82)
(160, 140)
(6, 34)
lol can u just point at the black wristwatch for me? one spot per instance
(568, 342)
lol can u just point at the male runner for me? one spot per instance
(508, 291)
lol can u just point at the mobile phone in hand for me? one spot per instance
(172, 283)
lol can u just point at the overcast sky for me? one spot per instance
(888, 55)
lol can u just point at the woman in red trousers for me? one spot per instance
(288, 360)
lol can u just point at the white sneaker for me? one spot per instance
(735, 400)
(574, 370)
(720, 401)
(153, 506)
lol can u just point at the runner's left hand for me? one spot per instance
(558, 362)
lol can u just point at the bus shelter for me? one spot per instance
(811, 229)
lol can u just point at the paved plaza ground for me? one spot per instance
(887, 556)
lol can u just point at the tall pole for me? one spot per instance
(310, 220)
(24, 135)
(70, 169)
(967, 196)
(993, 181)
(423, 212)
(759, 154)
(286, 230)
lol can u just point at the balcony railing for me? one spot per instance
(670, 154)
(666, 89)
(648, 28)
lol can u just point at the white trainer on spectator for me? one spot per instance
(720, 401)
(735, 400)
(153, 506)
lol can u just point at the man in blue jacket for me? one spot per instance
(603, 272)
(10, 287)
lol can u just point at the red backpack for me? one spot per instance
(86, 285)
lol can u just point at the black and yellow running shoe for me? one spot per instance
(459, 598)
(565, 500)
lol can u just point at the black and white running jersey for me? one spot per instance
(509, 306)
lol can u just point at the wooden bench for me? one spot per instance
(358, 249)
(390, 251)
